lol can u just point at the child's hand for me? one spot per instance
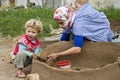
(34, 56)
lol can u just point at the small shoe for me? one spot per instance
(20, 74)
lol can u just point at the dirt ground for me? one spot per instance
(7, 70)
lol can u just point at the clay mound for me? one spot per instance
(109, 72)
(97, 61)
(92, 55)
(54, 48)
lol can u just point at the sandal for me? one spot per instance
(20, 74)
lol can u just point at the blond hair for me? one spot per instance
(82, 1)
(35, 24)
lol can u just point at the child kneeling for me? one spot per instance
(27, 46)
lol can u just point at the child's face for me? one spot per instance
(31, 33)
(61, 23)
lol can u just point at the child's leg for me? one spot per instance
(28, 61)
(20, 60)
(19, 63)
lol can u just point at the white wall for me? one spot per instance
(70, 2)
(24, 2)
(95, 3)
(105, 3)
(21, 2)
(5, 3)
(116, 3)
(37, 2)
(98, 4)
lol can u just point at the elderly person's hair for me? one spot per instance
(82, 1)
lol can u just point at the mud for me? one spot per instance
(98, 59)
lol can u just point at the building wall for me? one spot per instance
(56, 3)
(98, 4)
(37, 2)
(70, 2)
(21, 2)
(5, 3)
(24, 2)
(116, 3)
(105, 3)
(53, 3)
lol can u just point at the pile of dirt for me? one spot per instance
(97, 61)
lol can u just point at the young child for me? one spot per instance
(27, 46)
(88, 24)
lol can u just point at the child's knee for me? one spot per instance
(21, 53)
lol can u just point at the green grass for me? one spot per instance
(112, 13)
(12, 20)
